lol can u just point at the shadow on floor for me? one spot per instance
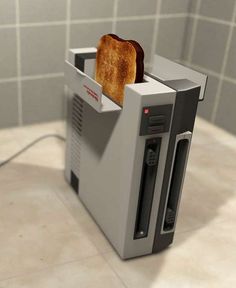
(201, 201)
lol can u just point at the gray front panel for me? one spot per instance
(110, 171)
(132, 174)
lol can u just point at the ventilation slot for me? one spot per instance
(77, 116)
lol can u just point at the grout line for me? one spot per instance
(174, 15)
(50, 266)
(67, 42)
(229, 79)
(148, 64)
(68, 16)
(134, 18)
(31, 77)
(7, 26)
(41, 76)
(96, 20)
(155, 31)
(42, 24)
(113, 269)
(124, 18)
(211, 19)
(194, 30)
(201, 69)
(121, 18)
(184, 40)
(8, 80)
(209, 72)
(18, 59)
(114, 22)
(225, 59)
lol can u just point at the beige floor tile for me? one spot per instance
(205, 133)
(215, 163)
(203, 202)
(36, 229)
(48, 152)
(30, 132)
(89, 273)
(209, 192)
(8, 144)
(162, 270)
(196, 259)
(225, 270)
(83, 218)
(74, 205)
(212, 243)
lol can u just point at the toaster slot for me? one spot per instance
(147, 185)
(176, 181)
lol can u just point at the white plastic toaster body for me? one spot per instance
(127, 164)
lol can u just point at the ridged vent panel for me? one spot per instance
(76, 142)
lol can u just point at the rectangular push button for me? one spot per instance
(155, 120)
(155, 129)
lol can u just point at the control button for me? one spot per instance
(151, 157)
(158, 119)
(155, 129)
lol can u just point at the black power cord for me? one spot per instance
(30, 145)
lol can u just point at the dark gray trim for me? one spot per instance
(74, 181)
(80, 59)
(183, 120)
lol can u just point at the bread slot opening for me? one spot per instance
(176, 184)
(89, 66)
(147, 186)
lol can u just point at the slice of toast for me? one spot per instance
(118, 62)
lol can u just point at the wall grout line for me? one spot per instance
(31, 77)
(9, 80)
(194, 30)
(67, 42)
(129, 18)
(114, 22)
(202, 69)
(155, 31)
(209, 72)
(174, 15)
(18, 57)
(96, 20)
(185, 36)
(149, 64)
(41, 76)
(225, 59)
(113, 269)
(211, 19)
(68, 16)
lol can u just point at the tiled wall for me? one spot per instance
(210, 47)
(35, 35)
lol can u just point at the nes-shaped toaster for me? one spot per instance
(127, 164)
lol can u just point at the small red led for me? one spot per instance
(146, 110)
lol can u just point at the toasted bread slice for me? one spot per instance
(118, 62)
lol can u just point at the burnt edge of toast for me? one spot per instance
(139, 57)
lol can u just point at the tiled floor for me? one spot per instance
(47, 239)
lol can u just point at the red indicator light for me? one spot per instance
(146, 110)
